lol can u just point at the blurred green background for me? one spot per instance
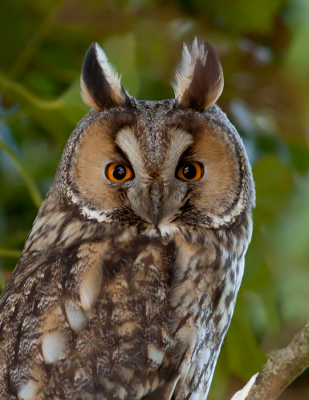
(264, 49)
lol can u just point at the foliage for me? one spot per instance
(263, 48)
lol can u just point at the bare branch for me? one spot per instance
(282, 367)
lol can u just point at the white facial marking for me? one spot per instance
(53, 344)
(99, 215)
(76, 317)
(27, 391)
(179, 142)
(168, 229)
(128, 143)
(165, 230)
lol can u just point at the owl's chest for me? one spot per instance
(167, 297)
(130, 308)
(170, 284)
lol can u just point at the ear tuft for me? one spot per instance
(100, 84)
(199, 77)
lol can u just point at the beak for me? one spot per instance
(156, 206)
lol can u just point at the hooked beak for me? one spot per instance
(156, 207)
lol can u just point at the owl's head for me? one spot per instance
(175, 162)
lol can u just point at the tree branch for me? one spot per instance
(282, 367)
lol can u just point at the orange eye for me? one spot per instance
(190, 172)
(118, 173)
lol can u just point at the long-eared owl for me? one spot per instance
(128, 279)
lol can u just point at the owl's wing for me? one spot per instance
(88, 323)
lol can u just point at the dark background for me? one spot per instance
(264, 49)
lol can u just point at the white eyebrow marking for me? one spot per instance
(128, 143)
(180, 141)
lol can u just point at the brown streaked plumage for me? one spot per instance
(127, 282)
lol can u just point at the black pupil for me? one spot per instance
(119, 172)
(189, 171)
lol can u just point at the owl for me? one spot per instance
(128, 278)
